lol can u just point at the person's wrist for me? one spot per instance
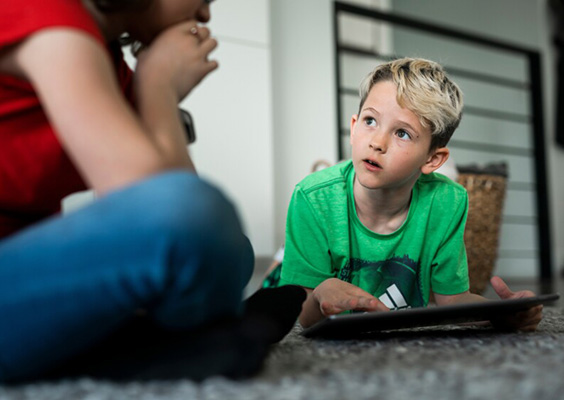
(315, 296)
(318, 292)
(152, 87)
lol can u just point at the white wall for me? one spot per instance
(232, 110)
(304, 105)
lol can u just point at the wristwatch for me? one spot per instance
(188, 125)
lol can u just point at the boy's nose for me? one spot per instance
(379, 142)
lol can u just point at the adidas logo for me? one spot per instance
(393, 299)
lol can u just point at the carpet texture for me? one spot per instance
(450, 362)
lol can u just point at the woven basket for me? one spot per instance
(486, 194)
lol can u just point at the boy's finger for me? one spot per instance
(533, 316)
(501, 288)
(372, 304)
(536, 310)
(377, 305)
(364, 303)
(381, 306)
(523, 321)
(330, 309)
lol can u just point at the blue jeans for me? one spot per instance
(171, 245)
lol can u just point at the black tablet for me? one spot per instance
(350, 325)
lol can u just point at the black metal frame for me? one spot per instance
(537, 116)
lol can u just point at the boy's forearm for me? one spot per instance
(461, 298)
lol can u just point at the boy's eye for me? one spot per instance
(402, 134)
(369, 121)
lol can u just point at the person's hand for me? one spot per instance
(335, 296)
(525, 320)
(177, 58)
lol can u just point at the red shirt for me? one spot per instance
(35, 172)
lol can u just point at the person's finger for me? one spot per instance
(382, 306)
(328, 308)
(536, 310)
(377, 305)
(205, 68)
(532, 316)
(528, 328)
(207, 46)
(203, 33)
(190, 27)
(364, 303)
(523, 321)
(350, 303)
(371, 304)
(210, 66)
(501, 288)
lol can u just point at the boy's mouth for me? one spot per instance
(372, 164)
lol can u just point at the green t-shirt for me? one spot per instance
(325, 239)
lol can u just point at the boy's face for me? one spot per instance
(390, 147)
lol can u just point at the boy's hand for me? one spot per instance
(335, 296)
(525, 320)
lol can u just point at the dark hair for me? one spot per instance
(121, 5)
(110, 6)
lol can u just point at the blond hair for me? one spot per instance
(424, 88)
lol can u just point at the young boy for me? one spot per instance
(383, 231)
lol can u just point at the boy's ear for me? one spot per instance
(436, 158)
(354, 120)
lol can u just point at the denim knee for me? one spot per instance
(208, 255)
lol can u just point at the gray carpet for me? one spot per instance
(454, 363)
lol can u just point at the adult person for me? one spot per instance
(73, 116)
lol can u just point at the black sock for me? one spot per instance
(274, 311)
(234, 348)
